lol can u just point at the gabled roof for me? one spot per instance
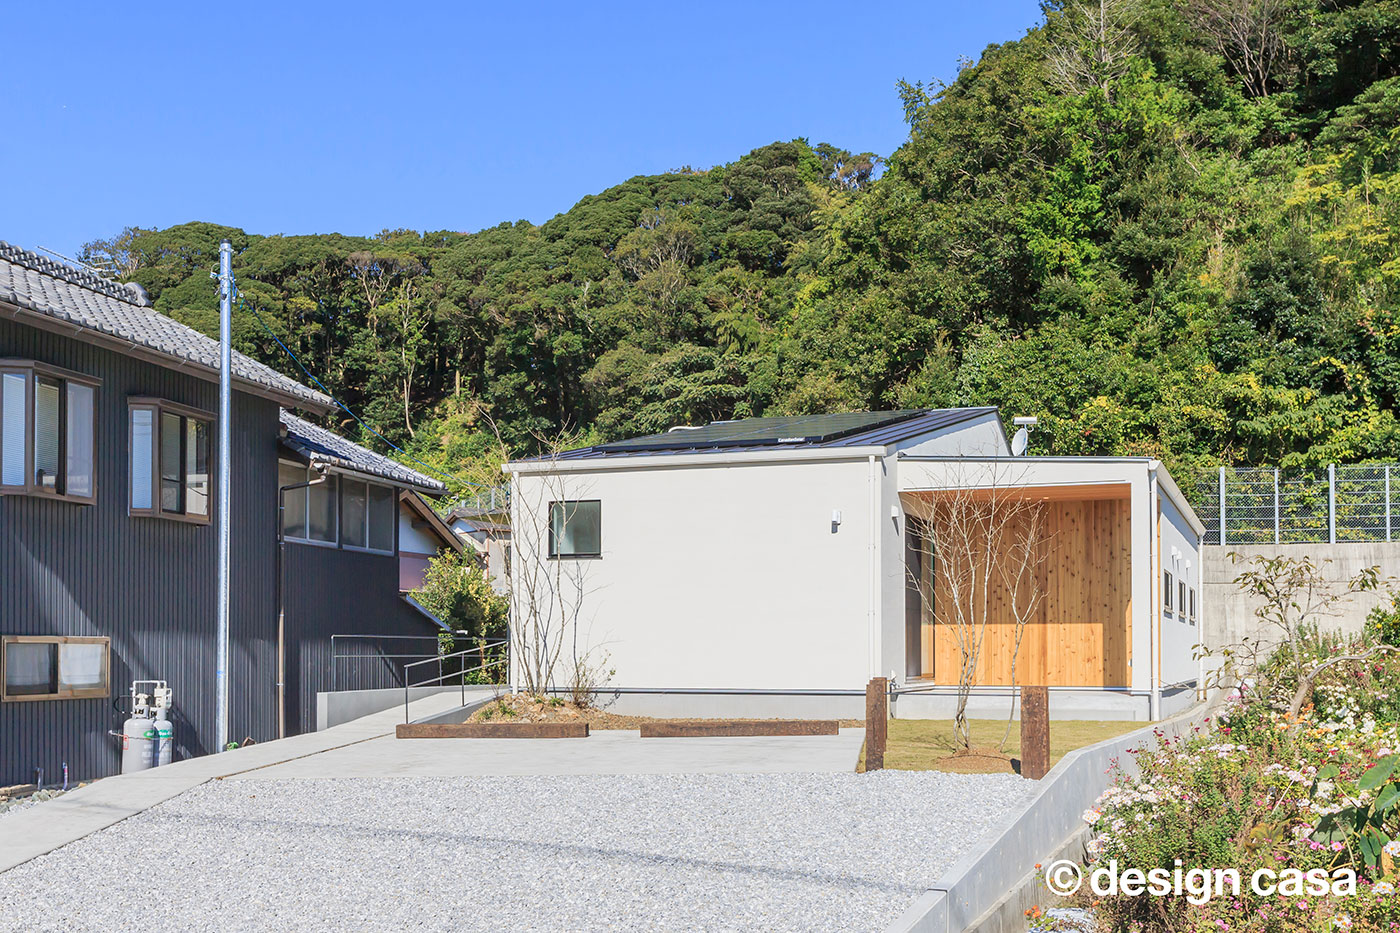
(750, 435)
(315, 442)
(85, 305)
(419, 506)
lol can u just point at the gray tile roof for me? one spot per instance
(310, 440)
(901, 426)
(123, 312)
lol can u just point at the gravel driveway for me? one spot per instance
(653, 852)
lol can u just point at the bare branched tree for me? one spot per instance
(986, 542)
(1292, 596)
(1091, 46)
(1248, 34)
(548, 595)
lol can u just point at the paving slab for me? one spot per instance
(42, 828)
(610, 751)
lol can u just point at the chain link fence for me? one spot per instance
(1259, 505)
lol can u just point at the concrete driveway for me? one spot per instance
(619, 751)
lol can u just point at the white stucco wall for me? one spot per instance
(411, 539)
(1181, 557)
(723, 575)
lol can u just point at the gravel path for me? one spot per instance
(656, 852)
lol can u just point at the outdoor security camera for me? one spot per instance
(1026, 421)
(319, 467)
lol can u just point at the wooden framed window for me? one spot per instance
(1181, 597)
(48, 432)
(54, 667)
(1193, 605)
(1167, 587)
(576, 528)
(171, 456)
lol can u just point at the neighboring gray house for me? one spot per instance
(107, 543)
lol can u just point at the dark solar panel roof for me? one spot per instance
(860, 429)
(799, 429)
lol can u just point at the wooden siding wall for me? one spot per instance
(1081, 635)
(331, 591)
(147, 583)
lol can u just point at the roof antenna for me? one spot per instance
(1022, 440)
(75, 262)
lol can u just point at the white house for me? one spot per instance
(771, 566)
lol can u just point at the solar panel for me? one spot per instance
(759, 432)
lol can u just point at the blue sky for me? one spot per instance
(313, 118)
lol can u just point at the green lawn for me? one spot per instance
(927, 744)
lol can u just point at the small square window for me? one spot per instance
(576, 528)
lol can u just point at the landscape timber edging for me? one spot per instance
(980, 892)
(727, 728)
(492, 730)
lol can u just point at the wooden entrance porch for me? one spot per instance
(1079, 633)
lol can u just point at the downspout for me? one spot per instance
(871, 615)
(1201, 615)
(1154, 608)
(320, 468)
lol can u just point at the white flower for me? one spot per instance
(1392, 848)
(1092, 816)
(1382, 887)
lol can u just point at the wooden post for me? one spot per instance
(1035, 732)
(877, 717)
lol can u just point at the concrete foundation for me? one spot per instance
(342, 706)
(907, 703)
(703, 704)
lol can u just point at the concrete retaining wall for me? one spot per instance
(984, 890)
(1229, 614)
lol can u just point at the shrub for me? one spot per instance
(1260, 789)
(1383, 622)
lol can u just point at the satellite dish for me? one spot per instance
(1019, 442)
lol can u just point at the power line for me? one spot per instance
(343, 407)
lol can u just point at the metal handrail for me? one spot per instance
(337, 657)
(477, 649)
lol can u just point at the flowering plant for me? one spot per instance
(1260, 789)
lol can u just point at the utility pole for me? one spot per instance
(225, 450)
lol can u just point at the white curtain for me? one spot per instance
(142, 446)
(12, 420)
(80, 403)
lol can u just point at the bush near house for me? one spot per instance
(1258, 788)
(456, 590)
(1383, 622)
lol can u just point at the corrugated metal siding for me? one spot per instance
(329, 591)
(148, 584)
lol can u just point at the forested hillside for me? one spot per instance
(1166, 227)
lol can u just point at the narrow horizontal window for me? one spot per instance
(576, 528)
(39, 667)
